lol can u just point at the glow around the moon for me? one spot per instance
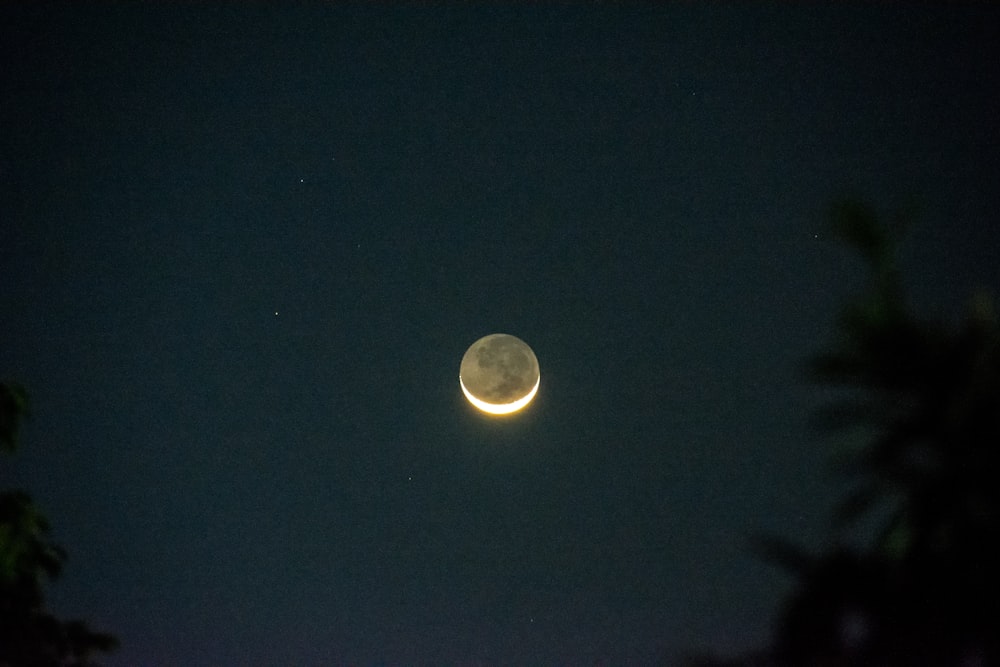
(499, 374)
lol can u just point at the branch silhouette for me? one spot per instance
(924, 589)
(29, 635)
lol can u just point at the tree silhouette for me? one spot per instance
(925, 588)
(30, 636)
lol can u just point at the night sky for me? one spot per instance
(244, 248)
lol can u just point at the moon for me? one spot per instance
(499, 374)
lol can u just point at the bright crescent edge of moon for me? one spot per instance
(500, 408)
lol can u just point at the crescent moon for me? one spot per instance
(499, 374)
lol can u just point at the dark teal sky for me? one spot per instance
(243, 249)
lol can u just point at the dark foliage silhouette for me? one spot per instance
(924, 588)
(29, 635)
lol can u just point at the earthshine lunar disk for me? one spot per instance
(499, 374)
